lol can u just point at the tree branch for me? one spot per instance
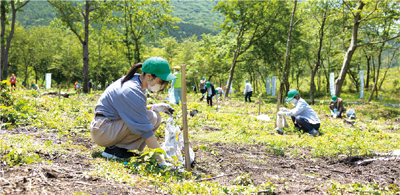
(69, 23)
(94, 9)
(366, 17)
(348, 8)
(370, 43)
(22, 5)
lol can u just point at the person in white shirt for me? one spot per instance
(248, 91)
(303, 116)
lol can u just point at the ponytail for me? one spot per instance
(132, 72)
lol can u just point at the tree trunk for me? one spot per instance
(350, 51)
(377, 74)
(128, 54)
(26, 72)
(231, 71)
(2, 47)
(318, 62)
(388, 66)
(137, 51)
(373, 69)
(368, 68)
(353, 77)
(85, 45)
(286, 65)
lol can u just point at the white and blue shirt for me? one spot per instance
(127, 101)
(301, 108)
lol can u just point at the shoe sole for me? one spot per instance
(110, 156)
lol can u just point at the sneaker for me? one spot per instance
(115, 152)
(313, 133)
(280, 132)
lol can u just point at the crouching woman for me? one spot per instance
(122, 120)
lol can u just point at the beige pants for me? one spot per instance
(106, 132)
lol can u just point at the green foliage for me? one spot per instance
(186, 30)
(357, 188)
(243, 180)
(197, 12)
(17, 157)
(146, 162)
(144, 20)
(395, 83)
(7, 98)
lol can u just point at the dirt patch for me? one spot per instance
(59, 178)
(66, 174)
(290, 175)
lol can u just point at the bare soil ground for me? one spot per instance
(291, 175)
(300, 175)
(63, 176)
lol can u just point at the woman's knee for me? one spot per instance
(154, 118)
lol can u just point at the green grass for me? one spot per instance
(375, 131)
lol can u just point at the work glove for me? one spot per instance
(283, 109)
(163, 107)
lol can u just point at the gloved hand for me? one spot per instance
(334, 116)
(283, 109)
(280, 113)
(163, 107)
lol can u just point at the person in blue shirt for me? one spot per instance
(123, 121)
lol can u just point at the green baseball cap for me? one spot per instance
(159, 67)
(291, 94)
(334, 98)
(247, 80)
(208, 83)
(204, 78)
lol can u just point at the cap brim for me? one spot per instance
(288, 99)
(166, 77)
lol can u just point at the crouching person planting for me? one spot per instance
(123, 121)
(303, 116)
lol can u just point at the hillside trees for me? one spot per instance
(144, 20)
(74, 15)
(5, 44)
(362, 11)
(321, 12)
(212, 56)
(66, 55)
(109, 61)
(247, 22)
(286, 66)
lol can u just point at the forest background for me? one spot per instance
(216, 39)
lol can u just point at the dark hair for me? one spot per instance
(134, 69)
(132, 72)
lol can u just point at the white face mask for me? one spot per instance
(293, 101)
(157, 87)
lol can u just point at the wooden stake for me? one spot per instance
(259, 104)
(217, 100)
(184, 119)
(59, 91)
